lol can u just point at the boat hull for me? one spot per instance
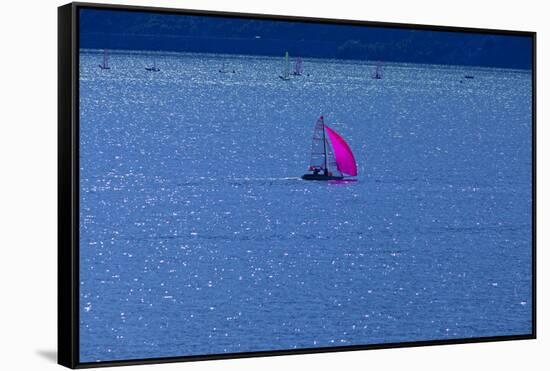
(321, 177)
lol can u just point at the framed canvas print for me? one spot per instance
(235, 185)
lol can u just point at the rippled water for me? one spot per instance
(198, 237)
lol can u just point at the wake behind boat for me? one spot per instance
(331, 156)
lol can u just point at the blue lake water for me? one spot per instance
(197, 235)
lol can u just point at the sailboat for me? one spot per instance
(285, 75)
(298, 69)
(153, 68)
(331, 156)
(224, 70)
(377, 75)
(105, 64)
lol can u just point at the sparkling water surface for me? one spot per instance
(197, 235)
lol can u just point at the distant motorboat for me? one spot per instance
(468, 76)
(105, 64)
(330, 160)
(298, 68)
(285, 75)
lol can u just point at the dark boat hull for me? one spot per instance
(321, 177)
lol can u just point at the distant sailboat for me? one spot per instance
(286, 73)
(105, 64)
(224, 70)
(377, 75)
(153, 68)
(331, 156)
(298, 69)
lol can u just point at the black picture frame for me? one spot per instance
(68, 186)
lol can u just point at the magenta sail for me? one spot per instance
(345, 161)
(331, 157)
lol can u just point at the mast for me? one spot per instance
(286, 65)
(324, 144)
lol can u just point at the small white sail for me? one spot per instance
(286, 69)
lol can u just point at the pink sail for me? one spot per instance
(345, 161)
